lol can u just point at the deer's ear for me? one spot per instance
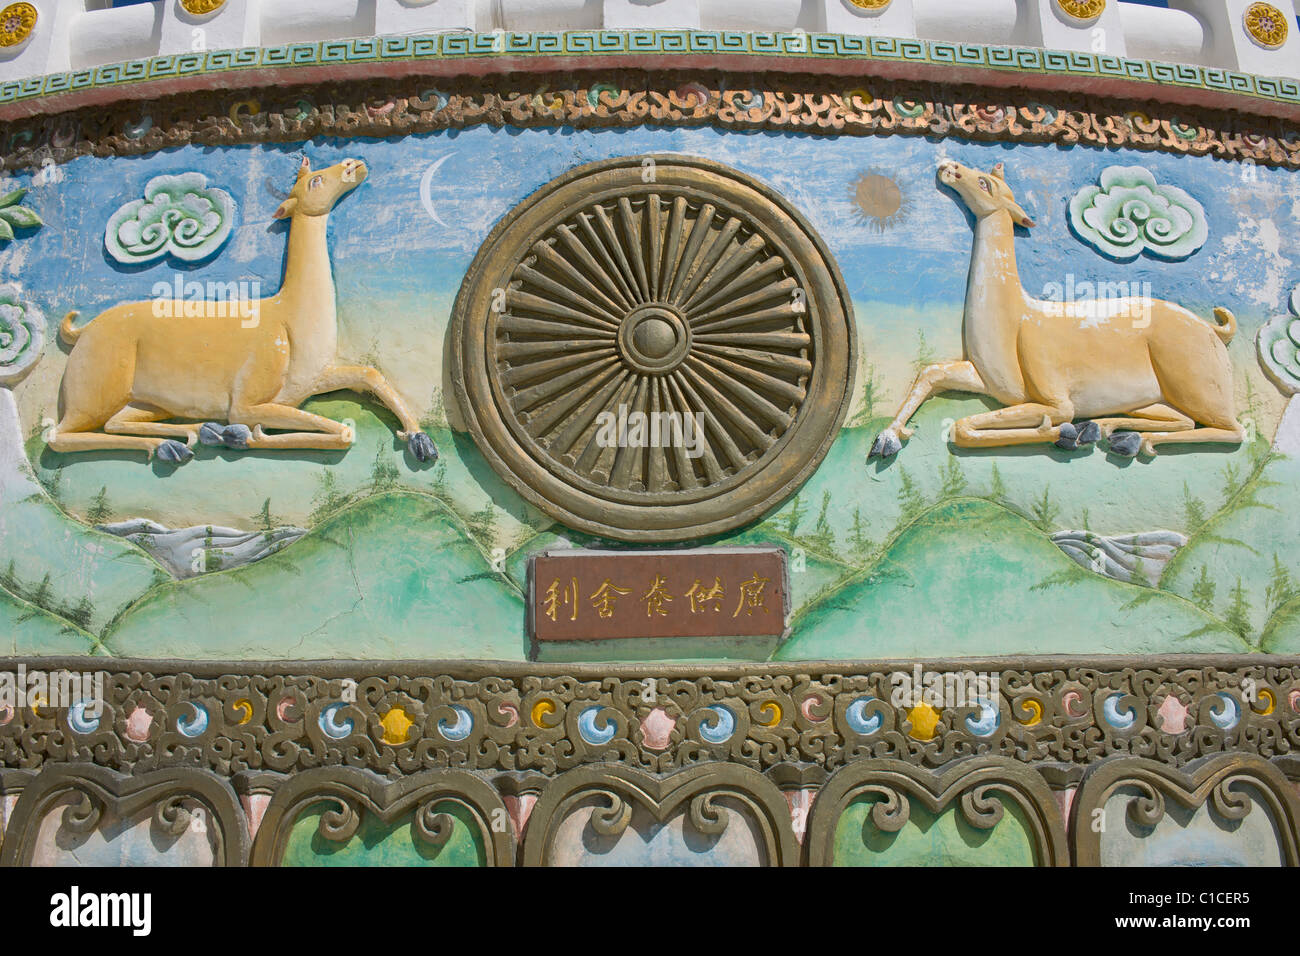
(304, 168)
(286, 208)
(998, 171)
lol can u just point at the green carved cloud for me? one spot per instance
(1279, 347)
(1129, 213)
(22, 334)
(180, 216)
(14, 216)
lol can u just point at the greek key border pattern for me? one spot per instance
(816, 105)
(786, 720)
(807, 46)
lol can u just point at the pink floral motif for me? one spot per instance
(282, 708)
(657, 729)
(809, 702)
(1173, 715)
(138, 723)
(509, 710)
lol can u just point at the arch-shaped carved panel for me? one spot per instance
(660, 285)
(708, 795)
(977, 786)
(1223, 783)
(354, 793)
(98, 791)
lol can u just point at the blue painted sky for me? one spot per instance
(386, 243)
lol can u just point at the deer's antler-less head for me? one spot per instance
(984, 193)
(317, 190)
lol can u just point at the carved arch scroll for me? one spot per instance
(979, 788)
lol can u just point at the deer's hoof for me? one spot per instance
(1089, 432)
(1126, 444)
(236, 436)
(886, 445)
(173, 452)
(210, 434)
(1067, 437)
(422, 447)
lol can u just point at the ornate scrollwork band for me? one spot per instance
(817, 105)
(544, 720)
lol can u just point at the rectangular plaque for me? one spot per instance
(580, 595)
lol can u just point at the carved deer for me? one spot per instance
(135, 366)
(1140, 372)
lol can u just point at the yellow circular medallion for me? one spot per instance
(1266, 25)
(871, 4)
(1082, 10)
(16, 23)
(199, 7)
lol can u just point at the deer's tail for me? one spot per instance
(67, 332)
(1227, 326)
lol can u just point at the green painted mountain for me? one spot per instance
(392, 576)
(1243, 563)
(78, 574)
(971, 578)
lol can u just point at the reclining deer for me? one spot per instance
(1139, 372)
(134, 366)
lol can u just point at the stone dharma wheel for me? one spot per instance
(632, 294)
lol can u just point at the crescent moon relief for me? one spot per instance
(426, 188)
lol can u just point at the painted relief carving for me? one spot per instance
(13, 216)
(648, 353)
(1266, 25)
(17, 21)
(1128, 214)
(1140, 372)
(181, 216)
(22, 334)
(248, 363)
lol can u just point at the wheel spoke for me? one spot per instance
(654, 231)
(689, 255)
(713, 415)
(712, 470)
(717, 249)
(782, 291)
(628, 457)
(597, 312)
(526, 398)
(543, 422)
(728, 410)
(751, 276)
(735, 260)
(520, 326)
(775, 340)
(583, 255)
(789, 365)
(528, 371)
(546, 253)
(672, 243)
(786, 390)
(610, 249)
(781, 313)
(744, 394)
(632, 234)
(527, 302)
